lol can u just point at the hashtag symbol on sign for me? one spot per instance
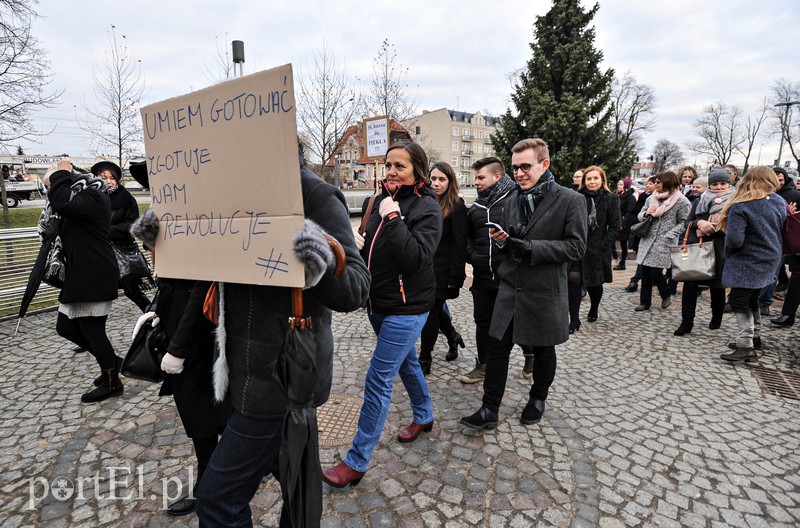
(272, 264)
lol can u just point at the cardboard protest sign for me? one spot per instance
(225, 181)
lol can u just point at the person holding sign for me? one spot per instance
(402, 235)
(250, 337)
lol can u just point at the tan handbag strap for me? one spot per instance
(365, 219)
(686, 237)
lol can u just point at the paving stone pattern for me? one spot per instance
(642, 428)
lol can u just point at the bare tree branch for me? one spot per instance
(113, 122)
(222, 67)
(326, 106)
(784, 91)
(667, 156)
(387, 88)
(752, 129)
(24, 81)
(632, 111)
(720, 131)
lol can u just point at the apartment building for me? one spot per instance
(348, 164)
(459, 138)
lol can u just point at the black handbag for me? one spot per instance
(143, 360)
(642, 228)
(131, 262)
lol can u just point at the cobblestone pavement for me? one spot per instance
(642, 428)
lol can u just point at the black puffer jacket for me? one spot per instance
(789, 192)
(628, 212)
(399, 252)
(481, 253)
(124, 212)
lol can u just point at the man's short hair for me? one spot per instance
(494, 164)
(731, 168)
(538, 145)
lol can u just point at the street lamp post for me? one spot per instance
(784, 123)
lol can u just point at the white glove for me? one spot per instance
(139, 322)
(387, 206)
(359, 239)
(171, 364)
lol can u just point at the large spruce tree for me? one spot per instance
(562, 96)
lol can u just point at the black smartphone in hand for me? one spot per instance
(493, 225)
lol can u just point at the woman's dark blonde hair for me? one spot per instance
(758, 183)
(450, 197)
(603, 176)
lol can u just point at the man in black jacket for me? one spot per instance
(544, 230)
(493, 186)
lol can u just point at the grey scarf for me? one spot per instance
(530, 199)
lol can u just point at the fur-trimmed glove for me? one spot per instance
(145, 228)
(312, 249)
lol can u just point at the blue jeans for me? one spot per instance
(395, 352)
(247, 451)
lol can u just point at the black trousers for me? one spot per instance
(133, 291)
(430, 332)
(689, 302)
(494, 384)
(650, 276)
(482, 307)
(89, 333)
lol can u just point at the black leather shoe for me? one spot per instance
(532, 413)
(591, 317)
(641, 308)
(632, 287)
(619, 267)
(99, 379)
(182, 506)
(483, 419)
(783, 320)
(78, 349)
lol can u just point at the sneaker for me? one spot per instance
(763, 309)
(483, 419)
(527, 370)
(532, 413)
(475, 375)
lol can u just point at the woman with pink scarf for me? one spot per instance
(669, 210)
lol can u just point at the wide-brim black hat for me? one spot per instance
(100, 166)
(139, 173)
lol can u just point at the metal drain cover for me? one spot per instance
(338, 420)
(778, 382)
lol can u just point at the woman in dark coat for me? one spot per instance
(703, 220)
(627, 212)
(91, 272)
(450, 258)
(602, 207)
(124, 212)
(179, 309)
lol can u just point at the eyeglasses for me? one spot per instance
(525, 167)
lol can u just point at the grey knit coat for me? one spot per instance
(663, 234)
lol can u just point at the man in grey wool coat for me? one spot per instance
(544, 229)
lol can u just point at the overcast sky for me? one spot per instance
(459, 53)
